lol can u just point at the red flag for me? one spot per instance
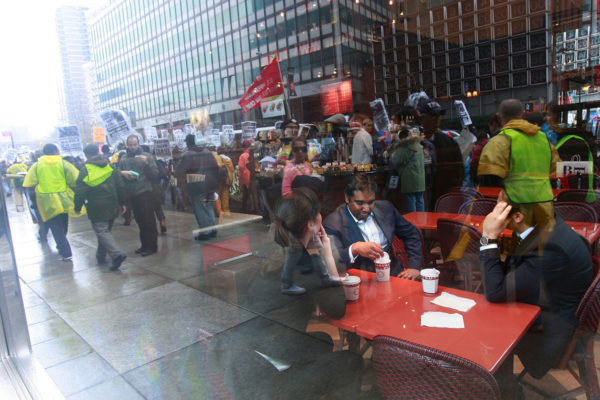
(267, 83)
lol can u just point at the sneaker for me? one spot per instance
(67, 258)
(295, 290)
(145, 253)
(117, 261)
(139, 251)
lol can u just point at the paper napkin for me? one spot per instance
(451, 301)
(442, 320)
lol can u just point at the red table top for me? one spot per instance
(394, 309)
(428, 221)
(493, 192)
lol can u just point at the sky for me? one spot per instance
(30, 63)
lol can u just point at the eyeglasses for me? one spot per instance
(303, 149)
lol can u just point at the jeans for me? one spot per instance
(106, 241)
(413, 201)
(59, 226)
(143, 212)
(204, 209)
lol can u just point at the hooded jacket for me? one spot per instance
(53, 179)
(101, 188)
(409, 161)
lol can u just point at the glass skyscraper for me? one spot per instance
(163, 62)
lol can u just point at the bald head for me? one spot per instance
(510, 109)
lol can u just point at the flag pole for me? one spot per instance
(285, 97)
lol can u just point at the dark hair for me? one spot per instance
(50, 149)
(132, 136)
(105, 149)
(403, 134)
(293, 214)
(535, 117)
(90, 150)
(493, 119)
(190, 141)
(360, 182)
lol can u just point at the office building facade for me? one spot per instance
(164, 62)
(73, 39)
(480, 51)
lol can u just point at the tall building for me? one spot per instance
(74, 47)
(495, 49)
(164, 62)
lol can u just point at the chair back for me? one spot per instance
(582, 181)
(579, 196)
(472, 192)
(451, 202)
(572, 211)
(459, 244)
(478, 207)
(588, 311)
(401, 254)
(407, 370)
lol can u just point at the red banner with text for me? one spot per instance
(267, 83)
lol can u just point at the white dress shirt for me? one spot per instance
(522, 235)
(370, 231)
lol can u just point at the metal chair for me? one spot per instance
(451, 202)
(588, 314)
(572, 211)
(459, 243)
(407, 370)
(428, 259)
(579, 196)
(582, 181)
(478, 207)
(466, 190)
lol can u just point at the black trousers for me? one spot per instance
(143, 212)
(59, 226)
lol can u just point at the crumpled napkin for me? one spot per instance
(455, 302)
(436, 319)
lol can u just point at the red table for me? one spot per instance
(493, 192)
(394, 309)
(428, 221)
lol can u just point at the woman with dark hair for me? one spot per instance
(298, 229)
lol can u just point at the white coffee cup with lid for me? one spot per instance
(382, 267)
(351, 287)
(430, 278)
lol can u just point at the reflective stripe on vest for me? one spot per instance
(51, 176)
(528, 178)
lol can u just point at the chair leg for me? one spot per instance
(588, 374)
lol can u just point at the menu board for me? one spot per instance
(336, 98)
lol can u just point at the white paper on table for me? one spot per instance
(436, 319)
(455, 302)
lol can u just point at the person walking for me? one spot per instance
(101, 188)
(52, 177)
(409, 161)
(137, 168)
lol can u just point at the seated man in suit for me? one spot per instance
(363, 228)
(550, 267)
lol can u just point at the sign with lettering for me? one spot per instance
(162, 148)
(336, 98)
(179, 138)
(380, 116)
(564, 168)
(461, 109)
(150, 133)
(69, 140)
(229, 134)
(98, 134)
(248, 130)
(117, 126)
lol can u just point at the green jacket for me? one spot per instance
(129, 162)
(100, 188)
(408, 159)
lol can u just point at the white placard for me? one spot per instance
(564, 168)
(164, 134)
(179, 138)
(117, 126)
(380, 116)
(229, 134)
(69, 140)
(461, 109)
(162, 148)
(150, 133)
(188, 128)
(248, 130)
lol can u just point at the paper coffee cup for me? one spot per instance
(430, 278)
(351, 287)
(382, 268)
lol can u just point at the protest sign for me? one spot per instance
(461, 109)
(164, 134)
(248, 130)
(117, 126)
(162, 148)
(69, 140)
(380, 116)
(215, 138)
(150, 133)
(98, 134)
(229, 134)
(179, 138)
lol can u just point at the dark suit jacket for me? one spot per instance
(554, 275)
(344, 231)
